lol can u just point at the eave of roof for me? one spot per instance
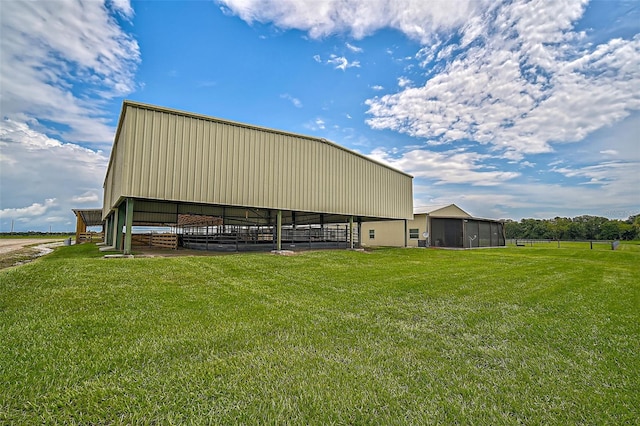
(90, 217)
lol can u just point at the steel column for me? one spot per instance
(279, 230)
(128, 225)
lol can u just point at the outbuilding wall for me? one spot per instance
(394, 233)
(445, 226)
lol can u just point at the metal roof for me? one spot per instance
(435, 208)
(90, 217)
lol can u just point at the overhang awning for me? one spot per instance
(90, 217)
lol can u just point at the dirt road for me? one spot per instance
(11, 244)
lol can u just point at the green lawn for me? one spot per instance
(527, 335)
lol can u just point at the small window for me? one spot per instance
(414, 233)
(372, 234)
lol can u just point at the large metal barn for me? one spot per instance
(223, 185)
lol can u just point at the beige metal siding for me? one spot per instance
(114, 179)
(170, 155)
(391, 233)
(386, 234)
(419, 222)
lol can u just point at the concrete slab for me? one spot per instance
(283, 252)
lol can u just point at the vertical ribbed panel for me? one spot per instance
(167, 155)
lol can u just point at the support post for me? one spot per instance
(120, 222)
(279, 230)
(351, 232)
(80, 227)
(405, 233)
(128, 225)
(105, 230)
(108, 232)
(428, 228)
(464, 233)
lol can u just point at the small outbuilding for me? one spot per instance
(445, 226)
(220, 183)
(86, 218)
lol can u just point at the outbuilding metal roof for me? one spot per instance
(90, 217)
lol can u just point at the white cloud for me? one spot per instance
(36, 167)
(317, 58)
(342, 63)
(377, 87)
(456, 166)
(87, 197)
(320, 123)
(354, 49)
(123, 7)
(65, 53)
(61, 65)
(404, 82)
(35, 209)
(525, 82)
(417, 19)
(295, 101)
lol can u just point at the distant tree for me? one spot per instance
(512, 229)
(583, 227)
(635, 222)
(576, 230)
(610, 230)
(559, 227)
(591, 226)
(628, 232)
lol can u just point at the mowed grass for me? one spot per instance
(394, 336)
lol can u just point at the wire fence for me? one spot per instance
(584, 244)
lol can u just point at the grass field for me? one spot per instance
(528, 335)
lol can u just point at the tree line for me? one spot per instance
(577, 228)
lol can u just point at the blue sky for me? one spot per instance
(508, 109)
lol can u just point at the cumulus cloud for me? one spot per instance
(61, 64)
(574, 182)
(36, 167)
(88, 197)
(455, 166)
(341, 63)
(517, 76)
(295, 101)
(70, 54)
(354, 49)
(521, 80)
(419, 20)
(35, 209)
(404, 82)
